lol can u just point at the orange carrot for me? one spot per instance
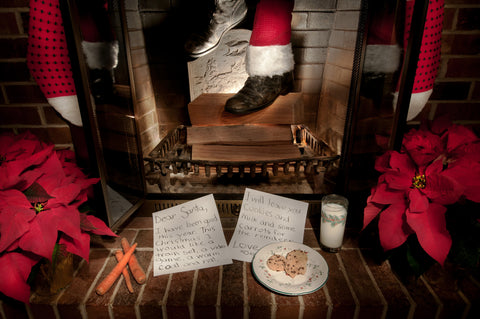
(103, 287)
(126, 275)
(137, 270)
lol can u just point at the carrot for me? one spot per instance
(137, 270)
(103, 287)
(126, 275)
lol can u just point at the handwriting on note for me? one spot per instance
(265, 218)
(188, 236)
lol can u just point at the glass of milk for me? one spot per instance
(332, 224)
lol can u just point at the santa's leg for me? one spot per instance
(269, 60)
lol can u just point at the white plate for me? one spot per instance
(277, 281)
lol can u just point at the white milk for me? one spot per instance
(332, 225)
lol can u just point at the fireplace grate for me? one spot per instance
(171, 161)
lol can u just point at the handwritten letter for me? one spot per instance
(265, 218)
(188, 236)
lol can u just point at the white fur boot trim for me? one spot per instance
(269, 60)
(101, 55)
(67, 106)
(417, 103)
(382, 58)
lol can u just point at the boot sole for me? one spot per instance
(200, 54)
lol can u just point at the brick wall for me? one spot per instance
(22, 104)
(335, 91)
(457, 88)
(146, 111)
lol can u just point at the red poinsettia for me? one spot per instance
(40, 193)
(437, 166)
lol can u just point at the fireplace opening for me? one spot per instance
(324, 38)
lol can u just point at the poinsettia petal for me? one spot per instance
(54, 175)
(392, 226)
(16, 268)
(11, 173)
(432, 232)
(402, 162)
(41, 237)
(13, 246)
(469, 151)
(398, 180)
(467, 174)
(15, 215)
(382, 163)
(385, 195)
(79, 246)
(14, 224)
(99, 227)
(435, 167)
(440, 124)
(370, 212)
(459, 135)
(14, 198)
(423, 146)
(418, 201)
(443, 189)
(64, 195)
(69, 220)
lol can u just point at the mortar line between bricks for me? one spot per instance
(142, 289)
(413, 304)
(245, 290)
(329, 302)
(218, 305)
(114, 294)
(475, 282)
(82, 306)
(375, 284)
(301, 309)
(2, 312)
(57, 298)
(435, 296)
(191, 308)
(350, 287)
(29, 311)
(18, 19)
(468, 304)
(165, 297)
(135, 237)
(273, 307)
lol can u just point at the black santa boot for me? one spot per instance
(269, 60)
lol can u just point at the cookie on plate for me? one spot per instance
(296, 263)
(276, 263)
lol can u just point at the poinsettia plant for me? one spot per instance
(41, 190)
(437, 166)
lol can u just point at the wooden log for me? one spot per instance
(243, 153)
(208, 109)
(240, 135)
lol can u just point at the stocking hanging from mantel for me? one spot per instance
(47, 56)
(383, 53)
